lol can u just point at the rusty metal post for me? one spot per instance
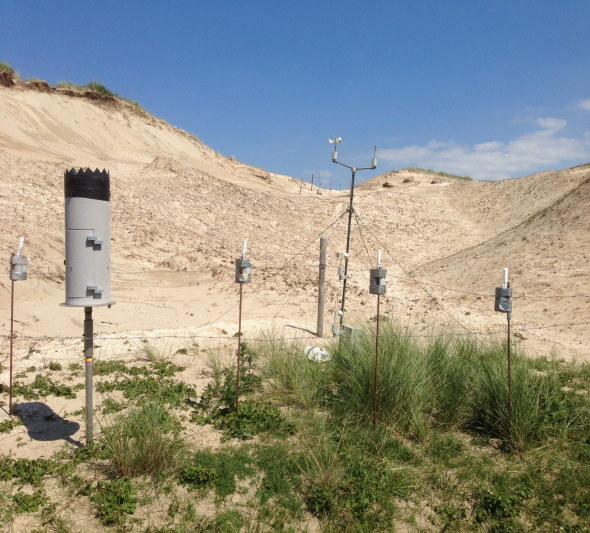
(239, 352)
(322, 286)
(11, 343)
(376, 376)
(508, 316)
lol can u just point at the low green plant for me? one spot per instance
(113, 500)
(219, 395)
(501, 504)
(158, 368)
(43, 386)
(8, 425)
(28, 503)
(110, 406)
(26, 471)
(197, 476)
(251, 418)
(219, 470)
(54, 366)
(152, 387)
(280, 480)
(347, 478)
(143, 441)
(105, 368)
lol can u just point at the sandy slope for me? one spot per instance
(180, 211)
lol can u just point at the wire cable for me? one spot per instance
(264, 282)
(434, 299)
(148, 337)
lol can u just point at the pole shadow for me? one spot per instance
(314, 333)
(44, 425)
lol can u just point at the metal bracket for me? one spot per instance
(93, 240)
(93, 288)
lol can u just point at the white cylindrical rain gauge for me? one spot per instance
(88, 235)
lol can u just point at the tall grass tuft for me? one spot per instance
(291, 376)
(453, 383)
(144, 441)
(404, 388)
(535, 397)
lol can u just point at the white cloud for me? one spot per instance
(542, 149)
(585, 104)
(554, 124)
(486, 147)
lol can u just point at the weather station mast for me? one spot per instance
(344, 275)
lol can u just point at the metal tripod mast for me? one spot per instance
(353, 170)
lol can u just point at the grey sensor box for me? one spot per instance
(503, 302)
(377, 285)
(18, 267)
(243, 271)
(88, 236)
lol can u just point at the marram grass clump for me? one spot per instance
(451, 383)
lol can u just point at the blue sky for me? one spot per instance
(490, 89)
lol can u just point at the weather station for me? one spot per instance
(343, 271)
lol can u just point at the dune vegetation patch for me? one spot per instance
(300, 451)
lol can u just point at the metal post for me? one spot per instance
(376, 377)
(508, 316)
(311, 188)
(239, 352)
(321, 286)
(11, 342)
(88, 356)
(350, 213)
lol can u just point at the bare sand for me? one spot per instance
(180, 211)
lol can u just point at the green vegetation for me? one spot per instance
(42, 387)
(8, 425)
(443, 174)
(143, 441)
(93, 86)
(5, 67)
(301, 448)
(114, 499)
(97, 88)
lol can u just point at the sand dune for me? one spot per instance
(180, 211)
